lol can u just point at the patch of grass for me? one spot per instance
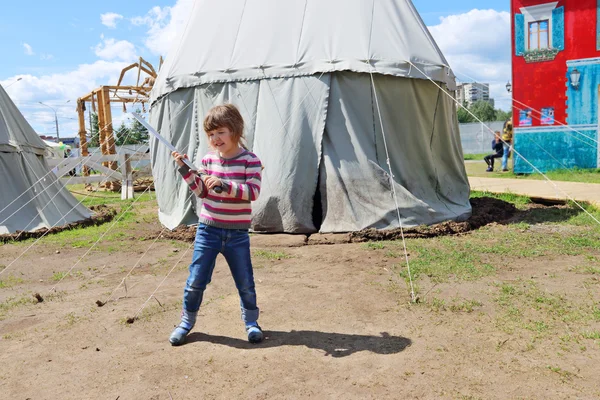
(445, 259)
(437, 305)
(474, 156)
(518, 200)
(373, 246)
(588, 269)
(57, 276)
(10, 281)
(564, 375)
(464, 305)
(565, 175)
(595, 335)
(14, 302)
(71, 319)
(271, 255)
(525, 306)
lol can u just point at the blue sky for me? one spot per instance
(63, 49)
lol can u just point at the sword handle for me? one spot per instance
(217, 189)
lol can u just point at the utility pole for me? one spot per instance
(55, 120)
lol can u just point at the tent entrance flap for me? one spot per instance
(288, 139)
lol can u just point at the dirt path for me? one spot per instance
(337, 319)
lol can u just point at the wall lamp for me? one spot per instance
(508, 87)
(575, 75)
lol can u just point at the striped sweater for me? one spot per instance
(241, 178)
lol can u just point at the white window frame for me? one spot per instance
(538, 13)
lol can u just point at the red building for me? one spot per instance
(555, 83)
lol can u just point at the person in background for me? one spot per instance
(507, 139)
(498, 149)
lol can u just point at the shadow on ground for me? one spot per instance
(333, 344)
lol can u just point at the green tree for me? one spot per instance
(123, 135)
(502, 115)
(464, 117)
(484, 111)
(138, 133)
(95, 137)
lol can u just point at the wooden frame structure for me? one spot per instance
(101, 99)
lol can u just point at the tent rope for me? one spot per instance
(393, 185)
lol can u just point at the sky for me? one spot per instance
(62, 49)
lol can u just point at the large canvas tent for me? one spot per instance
(30, 198)
(339, 101)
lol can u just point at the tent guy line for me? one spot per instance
(391, 176)
(517, 153)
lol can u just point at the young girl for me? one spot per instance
(228, 180)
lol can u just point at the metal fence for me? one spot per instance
(476, 138)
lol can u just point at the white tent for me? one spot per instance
(30, 198)
(328, 89)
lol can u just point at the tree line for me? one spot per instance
(482, 110)
(132, 132)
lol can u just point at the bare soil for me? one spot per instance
(338, 323)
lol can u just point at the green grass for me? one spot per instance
(373, 245)
(57, 276)
(129, 213)
(10, 281)
(565, 175)
(474, 156)
(518, 200)
(271, 255)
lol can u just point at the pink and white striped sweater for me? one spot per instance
(241, 177)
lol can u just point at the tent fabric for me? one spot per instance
(15, 132)
(277, 39)
(308, 77)
(325, 130)
(31, 198)
(429, 179)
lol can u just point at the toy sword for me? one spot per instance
(217, 189)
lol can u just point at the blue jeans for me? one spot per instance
(234, 244)
(505, 146)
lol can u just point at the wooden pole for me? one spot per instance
(109, 136)
(83, 146)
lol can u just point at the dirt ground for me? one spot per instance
(336, 313)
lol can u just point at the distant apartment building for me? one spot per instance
(472, 92)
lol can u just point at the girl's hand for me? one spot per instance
(179, 158)
(212, 181)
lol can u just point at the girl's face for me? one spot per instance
(222, 140)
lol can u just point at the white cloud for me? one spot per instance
(28, 49)
(477, 47)
(46, 57)
(56, 89)
(111, 49)
(164, 25)
(110, 19)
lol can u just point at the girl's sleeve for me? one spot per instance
(250, 189)
(192, 178)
